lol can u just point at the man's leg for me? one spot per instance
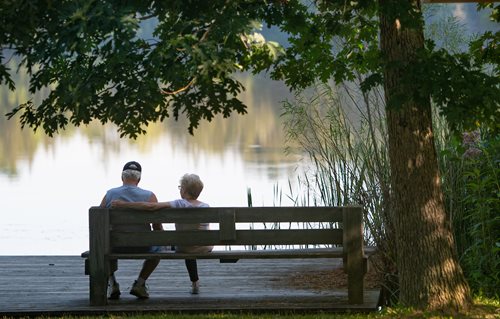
(139, 287)
(148, 267)
(113, 286)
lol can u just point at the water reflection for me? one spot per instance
(251, 133)
(48, 184)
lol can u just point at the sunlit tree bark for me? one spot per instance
(429, 273)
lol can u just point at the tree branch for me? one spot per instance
(184, 88)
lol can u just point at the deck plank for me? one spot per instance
(50, 285)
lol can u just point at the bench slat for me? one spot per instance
(335, 252)
(242, 215)
(213, 237)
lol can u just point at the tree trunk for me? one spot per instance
(430, 276)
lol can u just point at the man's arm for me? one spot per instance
(103, 202)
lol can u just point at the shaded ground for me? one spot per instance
(326, 280)
(334, 278)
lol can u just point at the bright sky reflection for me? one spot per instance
(45, 208)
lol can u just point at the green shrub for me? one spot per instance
(471, 179)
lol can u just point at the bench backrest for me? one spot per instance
(326, 225)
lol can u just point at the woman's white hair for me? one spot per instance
(192, 184)
(131, 174)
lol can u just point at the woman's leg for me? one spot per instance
(192, 269)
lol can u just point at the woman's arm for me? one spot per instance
(139, 205)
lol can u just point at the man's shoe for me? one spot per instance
(140, 291)
(195, 288)
(114, 291)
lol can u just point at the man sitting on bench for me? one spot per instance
(130, 192)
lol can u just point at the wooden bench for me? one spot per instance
(330, 232)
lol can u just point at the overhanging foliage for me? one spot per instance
(99, 65)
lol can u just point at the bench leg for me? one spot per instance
(96, 286)
(98, 263)
(355, 280)
(99, 285)
(354, 262)
(355, 287)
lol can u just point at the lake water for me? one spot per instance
(48, 184)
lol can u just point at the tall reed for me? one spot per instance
(342, 132)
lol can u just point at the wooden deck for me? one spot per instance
(54, 285)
